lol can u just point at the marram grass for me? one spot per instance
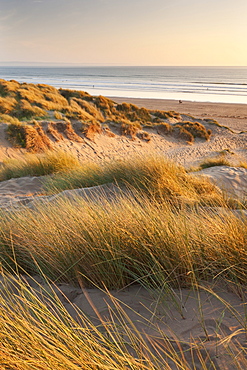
(38, 165)
(142, 236)
(115, 243)
(37, 332)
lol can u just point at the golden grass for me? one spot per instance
(8, 87)
(6, 118)
(91, 109)
(113, 244)
(75, 111)
(141, 236)
(67, 94)
(65, 127)
(184, 134)
(165, 114)
(38, 165)
(105, 105)
(27, 101)
(212, 162)
(163, 128)
(196, 129)
(129, 128)
(134, 113)
(31, 137)
(25, 110)
(38, 333)
(154, 176)
(219, 160)
(53, 131)
(7, 105)
(58, 115)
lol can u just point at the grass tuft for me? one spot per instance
(196, 129)
(27, 136)
(38, 165)
(212, 162)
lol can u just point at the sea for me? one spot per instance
(201, 84)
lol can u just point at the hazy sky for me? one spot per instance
(125, 32)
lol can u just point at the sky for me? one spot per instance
(124, 32)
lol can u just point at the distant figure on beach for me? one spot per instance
(180, 101)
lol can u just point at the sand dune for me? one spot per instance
(180, 322)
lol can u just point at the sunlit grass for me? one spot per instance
(38, 165)
(115, 242)
(155, 232)
(37, 332)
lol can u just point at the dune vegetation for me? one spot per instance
(160, 231)
(38, 115)
(164, 229)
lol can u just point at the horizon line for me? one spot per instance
(57, 64)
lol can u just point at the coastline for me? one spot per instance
(232, 115)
